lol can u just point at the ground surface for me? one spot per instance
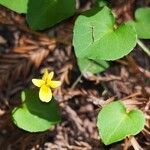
(25, 53)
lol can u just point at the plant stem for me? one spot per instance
(143, 46)
(77, 81)
(80, 76)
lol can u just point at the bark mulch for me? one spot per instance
(25, 53)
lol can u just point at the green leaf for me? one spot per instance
(92, 66)
(34, 115)
(19, 6)
(95, 36)
(115, 123)
(46, 13)
(142, 23)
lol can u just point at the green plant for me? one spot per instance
(33, 115)
(103, 39)
(42, 14)
(115, 122)
(38, 111)
(97, 39)
(141, 22)
(19, 6)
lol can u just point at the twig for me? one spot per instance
(39, 34)
(75, 118)
(126, 144)
(138, 73)
(135, 144)
(143, 46)
(132, 95)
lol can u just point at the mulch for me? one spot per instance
(25, 53)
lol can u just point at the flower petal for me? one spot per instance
(49, 78)
(54, 84)
(51, 75)
(45, 93)
(38, 82)
(45, 76)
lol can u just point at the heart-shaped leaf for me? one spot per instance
(95, 36)
(115, 122)
(142, 22)
(46, 13)
(19, 6)
(34, 115)
(92, 66)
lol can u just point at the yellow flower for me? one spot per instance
(46, 84)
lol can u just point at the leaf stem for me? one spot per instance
(77, 81)
(80, 76)
(143, 46)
